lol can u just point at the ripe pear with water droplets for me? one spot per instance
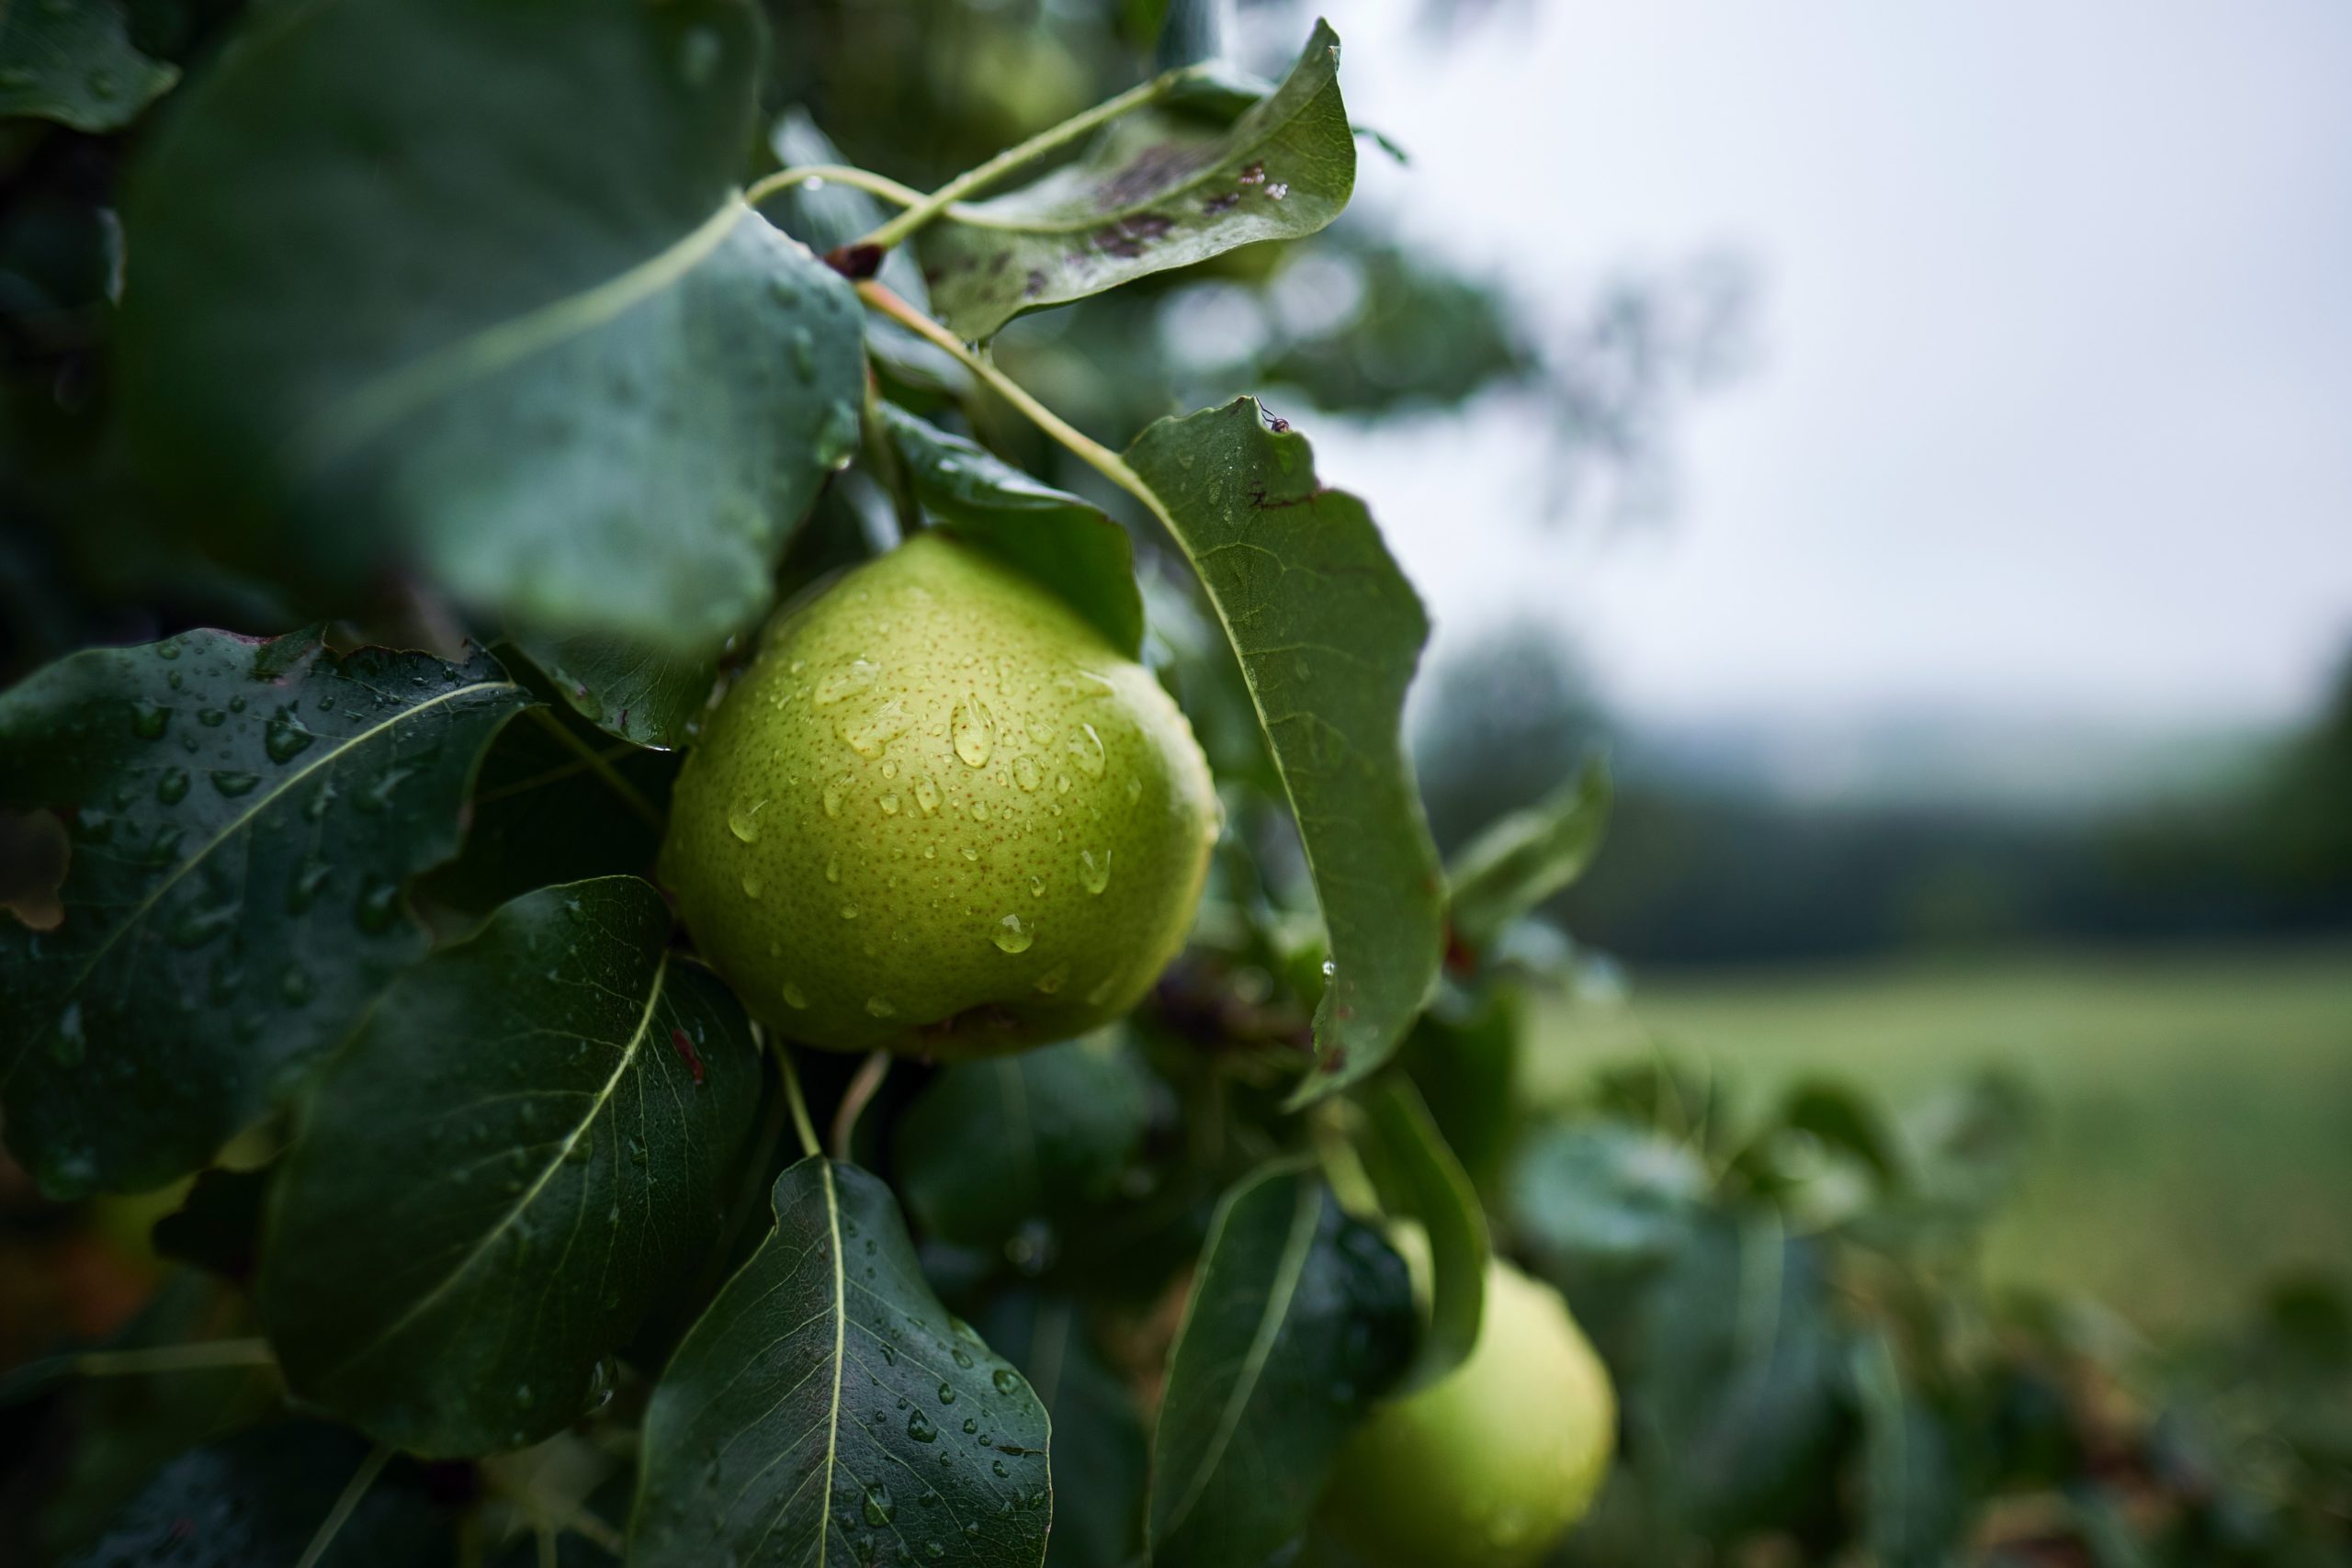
(940, 814)
(1490, 1466)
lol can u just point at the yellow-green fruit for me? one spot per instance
(940, 814)
(1490, 1466)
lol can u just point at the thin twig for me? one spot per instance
(872, 184)
(199, 1356)
(338, 1515)
(870, 1073)
(630, 796)
(972, 181)
(1100, 458)
(800, 1123)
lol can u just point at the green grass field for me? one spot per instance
(2196, 1126)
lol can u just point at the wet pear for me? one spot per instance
(940, 814)
(1490, 1466)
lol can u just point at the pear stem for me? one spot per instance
(1096, 455)
(800, 1123)
(974, 180)
(870, 1073)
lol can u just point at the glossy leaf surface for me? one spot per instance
(1329, 633)
(828, 1409)
(242, 817)
(556, 361)
(1161, 189)
(530, 1139)
(1299, 1319)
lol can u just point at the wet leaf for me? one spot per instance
(1329, 633)
(1037, 1136)
(557, 363)
(1099, 1446)
(625, 686)
(261, 1497)
(1524, 858)
(831, 214)
(1161, 189)
(527, 1142)
(1299, 1319)
(1063, 542)
(1419, 1178)
(827, 1408)
(242, 817)
(74, 63)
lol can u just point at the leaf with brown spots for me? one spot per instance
(1164, 188)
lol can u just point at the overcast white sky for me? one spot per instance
(2054, 407)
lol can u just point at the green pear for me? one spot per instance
(940, 814)
(1490, 1466)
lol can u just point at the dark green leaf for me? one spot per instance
(260, 1497)
(72, 62)
(1464, 1056)
(625, 687)
(1299, 1319)
(1419, 1180)
(828, 214)
(528, 1141)
(556, 361)
(1328, 632)
(1099, 1455)
(1602, 1197)
(1528, 856)
(1915, 1505)
(1160, 190)
(1064, 543)
(544, 811)
(1731, 1377)
(1041, 1134)
(827, 1408)
(242, 817)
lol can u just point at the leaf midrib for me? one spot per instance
(1287, 1274)
(238, 823)
(388, 397)
(546, 1173)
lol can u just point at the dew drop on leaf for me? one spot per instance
(376, 905)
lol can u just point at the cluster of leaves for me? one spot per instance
(1810, 1369)
(499, 1230)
